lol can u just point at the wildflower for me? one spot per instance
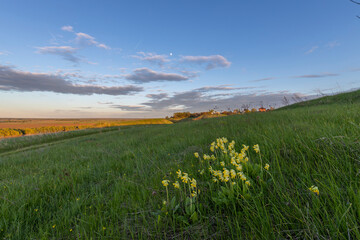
(233, 173)
(314, 189)
(176, 184)
(164, 202)
(233, 183)
(202, 171)
(178, 172)
(245, 147)
(239, 168)
(222, 164)
(267, 166)
(77, 199)
(54, 226)
(212, 148)
(104, 228)
(196, 155)
(248, 183)
(215, 180)
(256, 148)
(193, 194)
(165, 182)
(36, 209)
(185, 178)
(193, 183)
(70, 230)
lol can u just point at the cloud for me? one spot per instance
(145, 75)
(67, 28)
(66, 52)
(152, 58)
(4, 53)
(12, 79)
(332, 44)
(211, 62)
(132, 107)
(157, 96)
(87, 40)
(196, 101)
(105, 103)
(263, 79)
(220, 88)
(317, 75)
(311, 50)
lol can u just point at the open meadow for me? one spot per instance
(21, 127)
(302, 181)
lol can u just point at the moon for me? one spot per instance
(170, 54)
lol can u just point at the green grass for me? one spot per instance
(342, 98)
(112, 180)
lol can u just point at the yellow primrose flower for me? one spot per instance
(164, 202)
(185, 178)
(233, 173)
(54, 226)
(36, 209)
(176, 184)
(267, 166)
(222, 164)
(193, 183)
(248, 183)
(245, 147)
(314, 189)
(104, 228)
(196, 155)
(212, 148)
(70, 230)
(193, 194)
(215, 180)
(165, 182)
(233, 183)
(256, 148)
(178, 172)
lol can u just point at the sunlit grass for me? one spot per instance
(109, 185)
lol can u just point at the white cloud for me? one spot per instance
(22, 81)
(67, 52)
(311, 50)
(145, 75)
(332, 44)
(152, 58)
(67, 28)
(211, 62)
(86, 39)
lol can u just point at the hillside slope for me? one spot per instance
(109, 185)
(342, 98)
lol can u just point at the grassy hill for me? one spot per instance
(342, 99)
(109, 185)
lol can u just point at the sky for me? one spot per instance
(126, 59)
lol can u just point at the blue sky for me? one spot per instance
(153, 58)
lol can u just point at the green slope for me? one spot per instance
(342, 98)
(108, 185)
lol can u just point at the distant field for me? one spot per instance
(34, 123)
(21, 127)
